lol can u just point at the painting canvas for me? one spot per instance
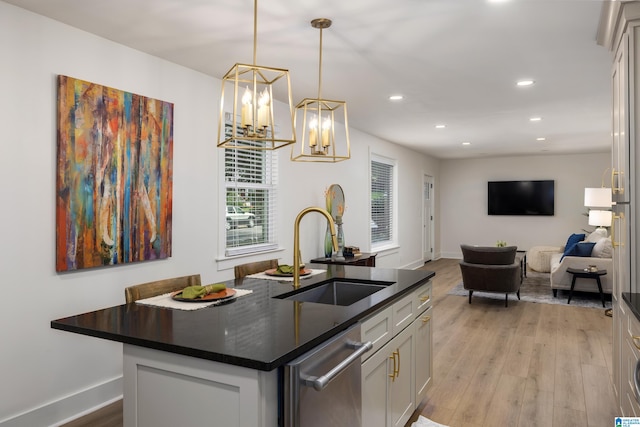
(114, 176)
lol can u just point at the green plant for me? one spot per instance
(501, 243)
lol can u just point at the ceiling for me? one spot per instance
(455, 61)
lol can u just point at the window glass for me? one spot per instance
(250, 181)
(382, 203)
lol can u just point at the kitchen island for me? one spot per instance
(235, 349)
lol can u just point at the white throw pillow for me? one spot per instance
(596, 235)
(602, 249)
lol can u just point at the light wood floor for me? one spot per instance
(526, 365)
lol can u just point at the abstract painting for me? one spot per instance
(114, 177)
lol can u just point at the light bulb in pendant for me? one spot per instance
(247, 109)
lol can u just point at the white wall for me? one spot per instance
(463, 200)
(49, 375)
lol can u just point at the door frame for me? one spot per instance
(428, 247)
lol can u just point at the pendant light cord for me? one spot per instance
(255, 32)
(320, 68)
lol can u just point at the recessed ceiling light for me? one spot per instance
(541, 139)
(525, 82)
(396, 97)
(441, 126)
(466, 143)
(535, 119)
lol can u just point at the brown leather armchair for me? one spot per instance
(490, 269)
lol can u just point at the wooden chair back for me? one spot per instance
(159, 287)
(243, 270)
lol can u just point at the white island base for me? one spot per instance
(163, 389)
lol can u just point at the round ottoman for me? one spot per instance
(539, 257)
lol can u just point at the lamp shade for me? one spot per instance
(597, 197)
(600, 218)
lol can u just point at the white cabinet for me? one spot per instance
(422, 333)
(388, 397)
(168, 389)
(397, 373)
(402, 398)
(620, 32)
(630, 354)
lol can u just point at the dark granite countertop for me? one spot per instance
(633, 301)
(255, 331)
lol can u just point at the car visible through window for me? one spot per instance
(236, 216)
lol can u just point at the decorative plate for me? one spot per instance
(335, 201)
(274, 272)
(222, 295)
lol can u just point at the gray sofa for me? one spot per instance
(491, 269)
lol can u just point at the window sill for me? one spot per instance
(386, 250)
(228, 262)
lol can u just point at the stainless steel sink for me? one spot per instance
(336, 292)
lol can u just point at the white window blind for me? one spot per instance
(250, 179)
(382, 215)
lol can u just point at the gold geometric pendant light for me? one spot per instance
(316, 122)
(246, 104)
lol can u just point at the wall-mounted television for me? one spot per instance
(521, 197)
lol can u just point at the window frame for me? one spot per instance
(269, 184)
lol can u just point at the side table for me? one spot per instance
(586, 274)
(365, 259)
(522, 256)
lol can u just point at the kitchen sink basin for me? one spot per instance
(336, 292)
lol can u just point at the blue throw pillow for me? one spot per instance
(572, 240)
(580, 249)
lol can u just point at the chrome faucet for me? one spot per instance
(296, 240)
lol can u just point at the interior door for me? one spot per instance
(427, 219)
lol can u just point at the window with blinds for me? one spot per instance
(382, 203)
(250, 180)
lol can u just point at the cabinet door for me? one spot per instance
(617, 354)
(629, 403)
(388, 383)
(620, 123)
(422, 333)
(375, 388)
(402, 390)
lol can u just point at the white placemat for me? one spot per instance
(284, 279)
(165, 300)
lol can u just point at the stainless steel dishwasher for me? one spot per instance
(322, 387)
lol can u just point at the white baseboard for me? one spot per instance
(68, 408)
(454, 255)
(413, 265)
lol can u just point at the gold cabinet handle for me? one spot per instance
(398, 371)
(613, 228)
(425, 298)
(614, 189)
(393, 374)
(635, 339)
(426, 319)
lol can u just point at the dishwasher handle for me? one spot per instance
(321, 382)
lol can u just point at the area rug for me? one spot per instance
(426, 422)
(536, 287)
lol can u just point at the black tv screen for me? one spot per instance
(521, 197)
